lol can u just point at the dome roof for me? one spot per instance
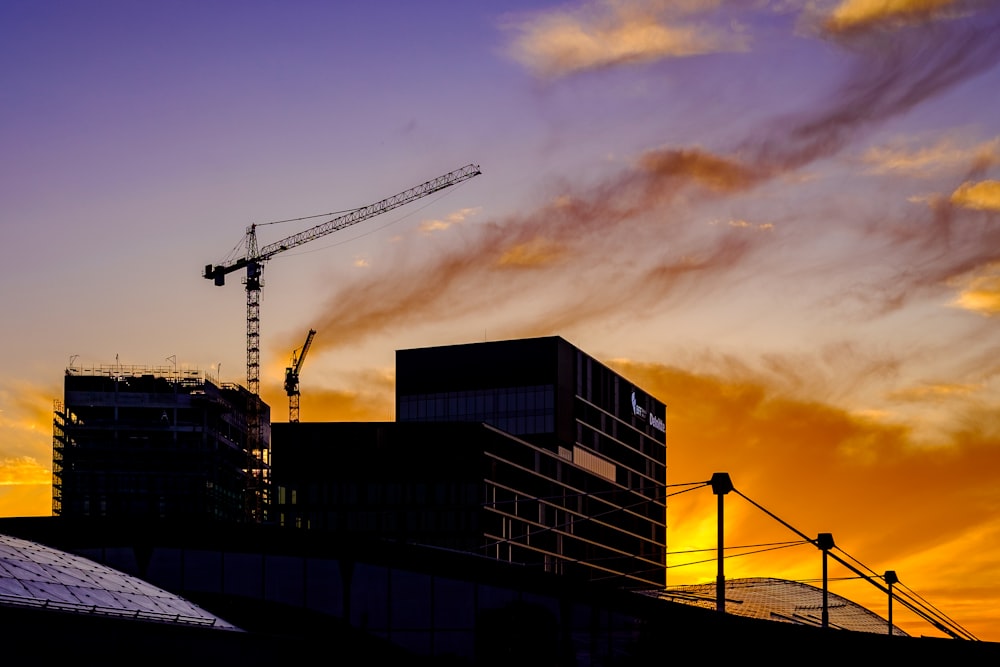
(34, 575)
(782, 600)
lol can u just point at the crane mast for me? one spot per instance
(292, 378)
(253, 263)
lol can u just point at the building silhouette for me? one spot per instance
(515, 512)
(141, 442)
(260, 594)
(528, 451)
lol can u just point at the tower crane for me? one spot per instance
(253, 263)
(292, 377)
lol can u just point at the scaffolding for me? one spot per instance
(153, 442)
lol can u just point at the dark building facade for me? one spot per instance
(527, 451)
(137, 442)
(297, 594)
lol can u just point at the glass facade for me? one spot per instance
(516, 410)
(583, 483)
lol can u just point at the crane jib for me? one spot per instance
(363, 213)
(218, 272)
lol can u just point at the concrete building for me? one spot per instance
(140, 442)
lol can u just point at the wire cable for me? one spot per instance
(748, 553)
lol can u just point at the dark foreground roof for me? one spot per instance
(661, 630)
(784, 601)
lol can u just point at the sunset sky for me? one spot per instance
(781, 217)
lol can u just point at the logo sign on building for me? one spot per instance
(643, 413)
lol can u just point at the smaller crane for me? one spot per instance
(292, 377)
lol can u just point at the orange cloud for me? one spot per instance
(606, 34)
(850, 15)
(927, 161)
(890, 502)
(758, 226)
(625, 219)
(430, 226)
(717, 173)
(374, 401)
(537, 252)
(933, 392)
(26, 413)
(25, 474)
(980, 291)
(23, 470)
(563, 238)
(26, 500)
(981, 196)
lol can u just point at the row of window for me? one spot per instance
(516, 410)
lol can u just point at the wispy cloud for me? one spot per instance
(441, 224)
(982, 195)
(368, 398)
(855, 15)
(695, 166)
(833, 467)
(745, 224)
(26, 420)
(609, 33)
(536, 252)
(586, 232)
(933, 392)
(887, 78)
(926, 161)
(979, 291)
(634, 228)
(23, 470)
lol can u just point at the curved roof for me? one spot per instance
(34, 575)
(782, 600)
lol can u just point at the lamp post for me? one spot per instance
(824, 542)
(890, 579)
(721, 485)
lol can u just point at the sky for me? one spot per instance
(780, 217)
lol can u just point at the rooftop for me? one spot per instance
(782, 600)
(36, 576)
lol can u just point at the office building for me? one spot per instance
(140, 442)
(528, 451)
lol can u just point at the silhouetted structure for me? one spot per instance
(784, 601)
(138, 442)
(527, 451)
(296, 594)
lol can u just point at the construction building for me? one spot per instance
(134, 442)
(528, 451)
